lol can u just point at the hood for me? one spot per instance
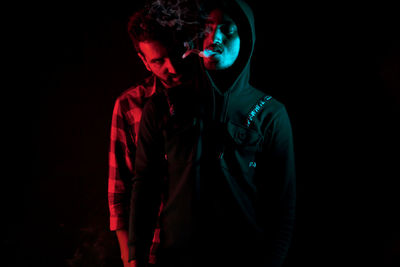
(239, 72)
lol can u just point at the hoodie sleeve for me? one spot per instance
(279, 190)
(146, 187)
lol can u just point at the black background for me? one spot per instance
(335, 67)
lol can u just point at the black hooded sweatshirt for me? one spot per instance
(229, 194)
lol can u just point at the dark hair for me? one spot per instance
(143, 28)
(166, 21)
(206, 6)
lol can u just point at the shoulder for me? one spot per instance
(139, 92)
(263, 106)
(136, 95)
(131, 102)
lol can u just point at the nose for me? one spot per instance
(170, 66)
(216, 35)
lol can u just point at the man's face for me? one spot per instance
(156, 58)
(222, 37)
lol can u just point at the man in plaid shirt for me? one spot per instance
(154, 45)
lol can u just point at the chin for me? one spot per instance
(210, 65)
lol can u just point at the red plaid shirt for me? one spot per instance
(124, 130)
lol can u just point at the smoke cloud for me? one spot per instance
(174, 13)
(181, 15)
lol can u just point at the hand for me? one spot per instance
(129, 264)
(123, 245)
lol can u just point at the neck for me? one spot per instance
(223, 79)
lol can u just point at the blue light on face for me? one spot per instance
(230, 54)
(222, 38)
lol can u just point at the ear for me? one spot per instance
(144, 61)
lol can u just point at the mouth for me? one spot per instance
(176, 78)
(216, 48)
(208, 53)
(211, 51)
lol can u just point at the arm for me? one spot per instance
(121, 156)
(122, 236)
(146, 186)
(279, 190)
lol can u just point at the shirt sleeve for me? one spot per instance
(279, 190)
(146, 185)
(121, 155)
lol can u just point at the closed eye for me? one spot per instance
(157, 60)
(229, 28)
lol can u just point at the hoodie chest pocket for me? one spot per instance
(244, 139)
(238, 158)
(242, 146)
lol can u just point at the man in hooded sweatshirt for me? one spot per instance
(230, 191)
(249, 145)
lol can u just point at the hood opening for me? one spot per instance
(239, 73)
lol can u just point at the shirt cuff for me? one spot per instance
(117, 223)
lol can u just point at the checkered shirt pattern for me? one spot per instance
(124, 131)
